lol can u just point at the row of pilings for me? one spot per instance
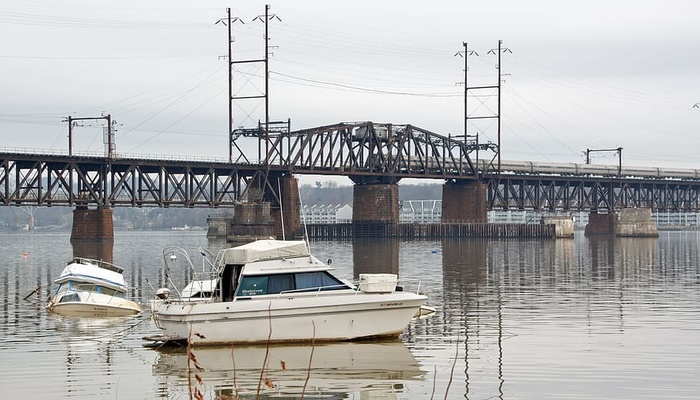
(429, 231)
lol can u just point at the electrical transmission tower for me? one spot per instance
(264, 130)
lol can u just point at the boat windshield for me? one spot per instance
(255, 285)
(89, 287)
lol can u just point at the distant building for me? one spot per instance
(430, 212)
(676, 220)
(327, 214)
(420, 211)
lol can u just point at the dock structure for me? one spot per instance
(430, 231)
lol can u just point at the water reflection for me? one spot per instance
(587, 318)
(375, 256)
(91, 350)
(377, 369)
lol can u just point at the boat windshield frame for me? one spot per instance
(328, 282)
(100, 263)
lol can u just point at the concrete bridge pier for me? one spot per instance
(464, 202)
(375, 209)
(636, 222)
(601, 224)
(631, 222)
(563, 225)
(92, 235)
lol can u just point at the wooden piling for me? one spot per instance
(429, 231)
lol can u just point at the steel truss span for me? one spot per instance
(366, 152)
(367, 149)
(49, 180)
(571, 194)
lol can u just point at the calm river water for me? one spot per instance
(567, 319)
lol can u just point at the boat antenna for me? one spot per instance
(279, 191)
(303, 221)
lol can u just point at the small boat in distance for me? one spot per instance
(272, 291)
(91, 288)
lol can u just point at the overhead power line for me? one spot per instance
(363, 89)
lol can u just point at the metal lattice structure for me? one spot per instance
(367, 151)
(364, 151)
(54, 180)
(587, 193)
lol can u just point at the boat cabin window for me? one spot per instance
(69, 298)
(278, 283)
(90, 287)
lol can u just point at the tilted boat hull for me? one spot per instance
(334, 317)
(95, 306)
(91, 288)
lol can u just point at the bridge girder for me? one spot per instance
(511, 192)
(366, 152)
(365, 149)
(72, 181)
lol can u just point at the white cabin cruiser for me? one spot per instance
(91, 288)
(272, 291)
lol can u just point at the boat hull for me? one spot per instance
(91, 288)
(95, 306)
(326, 318)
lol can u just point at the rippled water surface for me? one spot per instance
(587, 318)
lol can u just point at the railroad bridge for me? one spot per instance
(374, 156)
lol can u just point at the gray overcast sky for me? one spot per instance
(594, 74)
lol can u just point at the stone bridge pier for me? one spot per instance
(375, 209)
(92, 234)
(464, 202)
(271, 209)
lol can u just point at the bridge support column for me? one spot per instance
(464, 202)
(601, 224)
(251, 221)
(92, 235)
(290, 213)
(563, 225)
(375, 209)
(636, 222)
(92, 225)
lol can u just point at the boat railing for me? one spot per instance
(409, 283)
(100, 263)
(400, 286)
(317, 290)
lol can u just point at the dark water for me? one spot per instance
(574, 319)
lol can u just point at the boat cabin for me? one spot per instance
(273, 267)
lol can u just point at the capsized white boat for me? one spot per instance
(91, 288)
(274, 291)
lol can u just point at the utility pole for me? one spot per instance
(229, 42)
(500, 50)
(267, 18)
(111, 146)
(267, 84)
(616, 150)
(500, 79)
(464, 54)
(110, 142)
(230, 87)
